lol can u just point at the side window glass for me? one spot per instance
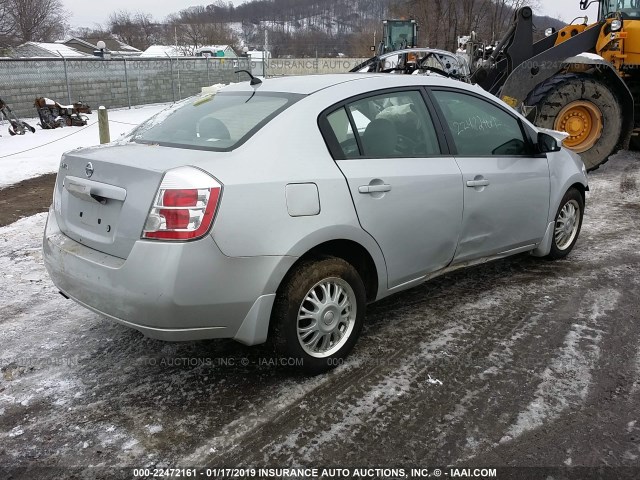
(396, 125)
(339, 122)
(480, 128)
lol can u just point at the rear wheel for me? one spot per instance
(584, 107)
(568, 222)
(318, 314)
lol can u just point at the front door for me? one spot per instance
(506, 186)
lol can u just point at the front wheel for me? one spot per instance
(318, 314)
(568, 223)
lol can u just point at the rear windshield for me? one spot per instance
(218, 122)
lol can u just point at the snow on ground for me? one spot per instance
(21, 261)
(34, 154)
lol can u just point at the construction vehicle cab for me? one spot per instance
(398, 52)
(581, 79)
(628, 9)
(398, 35)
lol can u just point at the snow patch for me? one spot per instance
(16, 432)
(30, 155)
(129, 444)
(588, 56)
(153, 429)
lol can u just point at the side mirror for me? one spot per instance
(585, 4)
(547, 144)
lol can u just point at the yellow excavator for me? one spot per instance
(582, 79)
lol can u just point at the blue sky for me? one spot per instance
(85, 13)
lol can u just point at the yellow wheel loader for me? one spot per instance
(581, 79)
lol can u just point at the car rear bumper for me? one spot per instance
(169, 291)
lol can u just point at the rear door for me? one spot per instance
(407, 193)
(506, 186)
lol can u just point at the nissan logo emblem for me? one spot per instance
(89, 169)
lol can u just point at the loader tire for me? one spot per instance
(585, 107)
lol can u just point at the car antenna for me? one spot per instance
(254, 80)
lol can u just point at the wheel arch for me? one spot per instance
(544, 248)
(581, 188)
(557, 192)
(352, 252)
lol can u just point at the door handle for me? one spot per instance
(477, 183)
(374, 188)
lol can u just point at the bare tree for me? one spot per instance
(97, 31)
(502, 14)
(196, 27)
(136, 29)
(5, 23)
(37, 20)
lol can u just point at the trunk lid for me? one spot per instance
(103, 194)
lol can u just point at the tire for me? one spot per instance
(564, 241)
(562, 97)
(295, 293)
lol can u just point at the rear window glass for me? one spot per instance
(213, 122)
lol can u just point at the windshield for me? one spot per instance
(399, 35)
(218, 122)
(628, 8)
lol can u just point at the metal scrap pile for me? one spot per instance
(54, 115)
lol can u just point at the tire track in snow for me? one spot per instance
(360, 390)
(635, 388)
(367, 393)
(377, 394)
(378, 398)
(567, 380)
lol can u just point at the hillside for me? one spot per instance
(305, 28)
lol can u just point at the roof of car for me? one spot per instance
(309, 84)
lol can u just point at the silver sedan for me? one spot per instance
(278, 210)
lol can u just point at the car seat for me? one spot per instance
(380, 138)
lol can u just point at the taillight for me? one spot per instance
(184, 206)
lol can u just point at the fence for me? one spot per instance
(123, 82)
(113, 83)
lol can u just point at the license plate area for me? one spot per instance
(91, 220)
